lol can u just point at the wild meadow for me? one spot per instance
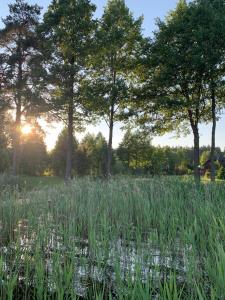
(132, 219)
(126, 238)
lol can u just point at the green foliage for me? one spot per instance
(58, 157)
(88, 157)
(221, 173)
(118, 40)
(34, 158)
(21, 57)
(139, 156)
(22, 88)
(117, 44)
(86, 68)
(135, 151)
(92, 155)
(183, 73)
(205, 156)
(67, 30)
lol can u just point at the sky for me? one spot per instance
(151, 10)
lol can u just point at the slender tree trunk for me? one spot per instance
(111, 124)
(109, 153)
(16, 141)
(195, 130)
(17, 127)
(69, 154)
(213, 142)
(2, 122)
(196, 156)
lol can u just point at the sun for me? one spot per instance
(26, 129)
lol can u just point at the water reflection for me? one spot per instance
(121, 260)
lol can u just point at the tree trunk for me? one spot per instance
(196, 155)
(194, 126)
(16, 141)
(111, 123)
(213, 142)
(109, 153)
(69, 154)
(17, 125)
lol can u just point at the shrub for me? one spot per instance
(221, 173)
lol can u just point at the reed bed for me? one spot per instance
(159, 238)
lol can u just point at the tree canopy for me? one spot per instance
(79, 69)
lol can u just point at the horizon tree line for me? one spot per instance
(76, 68)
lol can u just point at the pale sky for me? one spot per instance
(150, 9)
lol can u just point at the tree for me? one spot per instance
(58, 157)
(211, 41)
(135, 151)
(20, 60)
(118, 42)
(100, 155)
(175, 77)
(68, 27)
(34, 156)
(92, 155)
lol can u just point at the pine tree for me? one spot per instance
(20, 58)
(68, 27)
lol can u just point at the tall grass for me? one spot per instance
(159, 238)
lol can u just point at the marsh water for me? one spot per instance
(107, 266)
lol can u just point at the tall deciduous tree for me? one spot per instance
(176, 72)
(20, 60)
(209, 34)
(68, 25)
(118, 42)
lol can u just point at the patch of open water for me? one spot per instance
(122, 260)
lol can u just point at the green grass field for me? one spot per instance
(27, 183)
(160, 238)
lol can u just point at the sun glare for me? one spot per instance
(26, 129)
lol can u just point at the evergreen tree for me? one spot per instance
(135, 150)
(34, 158)
(58, 157)
(92, 155)
(68, 29)
(21, 60)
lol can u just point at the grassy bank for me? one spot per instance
(27, 183)
(127, 239)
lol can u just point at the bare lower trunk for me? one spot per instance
(69, 154)
(196, 156)
(109, 153)
(16, 142)
(194, 126)
(17, 125)
(213, 142)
